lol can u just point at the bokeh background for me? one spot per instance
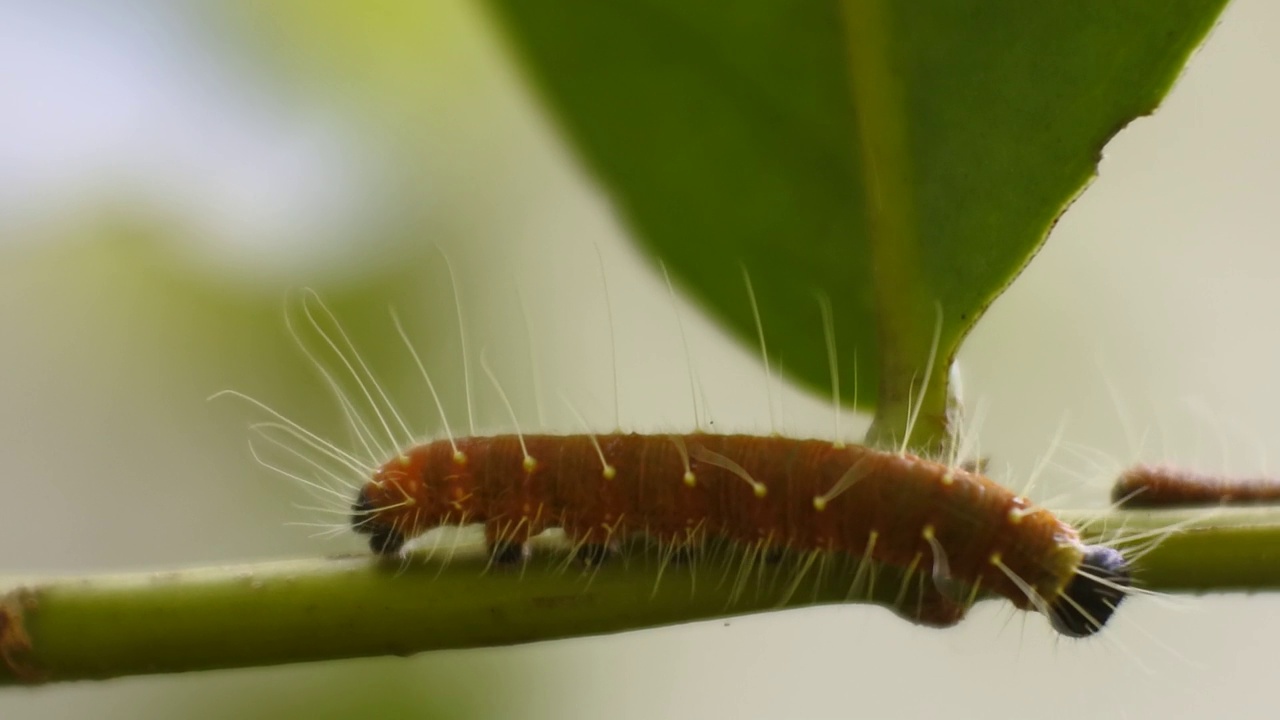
(169, 171)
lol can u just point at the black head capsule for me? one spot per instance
(383, 540)
(362, 513)
(1093, 594)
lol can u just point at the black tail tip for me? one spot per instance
(1093, 594)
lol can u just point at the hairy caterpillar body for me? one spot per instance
(1164, 486)
(952, 529)
(771, 493)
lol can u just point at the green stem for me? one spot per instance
(323, 609)
(913, 372)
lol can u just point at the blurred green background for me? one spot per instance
(169, 171)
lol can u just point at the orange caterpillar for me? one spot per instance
(767, 495)
(772, 493)
(1164, 486)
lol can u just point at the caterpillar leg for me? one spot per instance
(771, 554)
(508, 541)
(677, 550)
(594, 554)
(925, 602)
(508, 553)
(680, 547)
(677, 554)
(385, 540)
(594, 545)
(933, 609)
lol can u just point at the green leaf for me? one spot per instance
(901, 158)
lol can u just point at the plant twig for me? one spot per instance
(96, 627)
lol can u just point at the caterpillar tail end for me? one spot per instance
(1092, 596)
(383, 540)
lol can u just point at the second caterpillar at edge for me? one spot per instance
(771, 492)
(1151, 487)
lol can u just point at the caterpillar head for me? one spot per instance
(384, 508)
(384, 539)
(1094, 593)
(419, 489)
